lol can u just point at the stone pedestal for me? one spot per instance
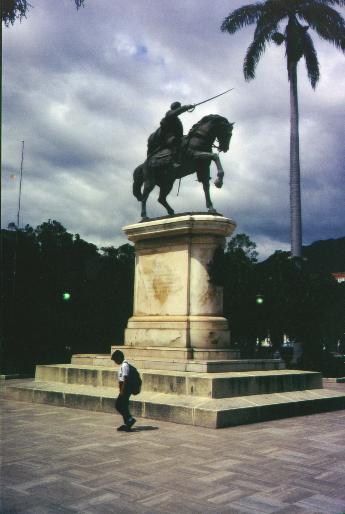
(175, 305)
(179, 341)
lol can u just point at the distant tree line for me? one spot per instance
(63, 295)
(277, 297)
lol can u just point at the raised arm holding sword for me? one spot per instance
(170, 133)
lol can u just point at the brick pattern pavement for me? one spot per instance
(64, 461)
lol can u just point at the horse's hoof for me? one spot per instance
(218, 183)
(212, 210)
(145, 218)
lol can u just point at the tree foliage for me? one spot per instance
(12, 10)
(39, 266)
(299, 299)
(269, 14)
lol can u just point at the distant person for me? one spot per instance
(122, 401)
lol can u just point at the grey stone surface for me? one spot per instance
(187, 409)
(215, 385)
(58, 460)
(167, 362)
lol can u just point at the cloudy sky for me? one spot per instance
(84, 89)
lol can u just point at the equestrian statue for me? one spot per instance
(171, 155)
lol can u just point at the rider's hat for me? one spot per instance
(175, 105)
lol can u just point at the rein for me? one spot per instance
(179, 185)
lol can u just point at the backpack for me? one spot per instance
(134, 380)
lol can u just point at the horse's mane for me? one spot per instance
(205, 119)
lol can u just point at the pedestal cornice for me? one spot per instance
(184, 224)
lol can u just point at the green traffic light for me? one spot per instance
(66, 296)
(259, 299)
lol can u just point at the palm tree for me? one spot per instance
(268, 15)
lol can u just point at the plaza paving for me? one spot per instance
(58, 460)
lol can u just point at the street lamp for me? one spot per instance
(259, 299)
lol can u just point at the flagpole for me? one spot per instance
(20, 185)
(16, 240)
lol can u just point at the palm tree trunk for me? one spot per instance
(295, 182)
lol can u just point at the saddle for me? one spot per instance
(161, 159)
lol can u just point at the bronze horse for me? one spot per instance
(196, 157)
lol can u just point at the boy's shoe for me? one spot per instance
(131, 423)
(122, 428)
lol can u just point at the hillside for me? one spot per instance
(326, 255)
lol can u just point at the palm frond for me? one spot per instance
(254, 52)
(327, 22)
(276, 10)
(340, 3)
(241, 17)
(11, 10)
(268, 22)
(311, 60)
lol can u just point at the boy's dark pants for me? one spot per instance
(122, 406)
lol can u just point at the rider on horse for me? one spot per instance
(163, 146)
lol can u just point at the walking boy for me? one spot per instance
(122, 402)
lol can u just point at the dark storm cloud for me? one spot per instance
(85, 89)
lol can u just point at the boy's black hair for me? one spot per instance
(118, 356)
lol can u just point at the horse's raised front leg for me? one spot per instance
(214, 157)
(220, 172)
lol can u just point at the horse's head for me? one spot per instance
(223, 132)
(207, 130)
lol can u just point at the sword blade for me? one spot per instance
(213, 97)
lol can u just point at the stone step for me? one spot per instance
(157, 355)
(202, 366)
(210, 385)
(229, 384)
(91, 359)
(168, 353)
(211, 413)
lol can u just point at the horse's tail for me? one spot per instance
(138, 180)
